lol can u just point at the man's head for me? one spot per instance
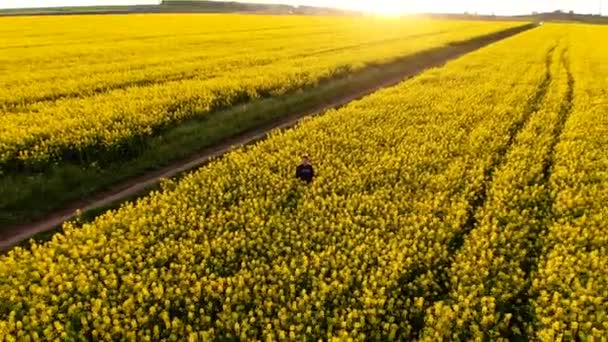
(305, 159)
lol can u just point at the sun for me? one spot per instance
(388, 8)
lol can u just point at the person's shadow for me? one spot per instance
(294, 196)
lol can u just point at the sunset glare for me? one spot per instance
(378, 7)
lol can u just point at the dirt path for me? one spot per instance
(12, 236)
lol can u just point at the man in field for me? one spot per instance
(305, 171)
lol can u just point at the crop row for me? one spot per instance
(570, 288)
(488, 277)
(241, 249)
(113, 125)
(534, 265)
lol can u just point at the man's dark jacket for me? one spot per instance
(305, 173)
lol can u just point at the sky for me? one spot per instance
(500, 7)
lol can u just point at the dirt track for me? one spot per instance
(12, 236)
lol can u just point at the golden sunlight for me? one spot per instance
(399, 7)
(389, 7)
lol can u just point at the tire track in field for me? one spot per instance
(521, 303)
(564, 113)
(479, 199)
(481, 195)
(441, 277)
